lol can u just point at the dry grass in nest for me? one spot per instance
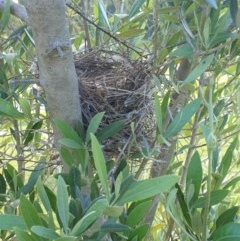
(119, 87)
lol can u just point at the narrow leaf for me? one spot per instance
(37, 171)
(217, 196)
(194, 175)
(100, 164)
(44, 232)
(183, 205)
(8, 110)
(44, 198)
(233, 6)
(9, 221)
(84, 223)
(74, 181)
(137, 214)
(62, 202)
(94, 125)
(183, 51)
(228, 232)
(139, 233)
(68, 238)
(25, 106)
(129, 33)
(227, 158)
(67, 131)
(226, 217)
(5, 15)
(110, 130)
(182, 118)
(144, 189)
(29, 212)
(135, 9)
(70, 143)
(103, 12)
(21, 235)
(212, 3)
(114, 227)
(201, 67)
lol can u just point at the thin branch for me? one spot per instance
(102, 29)
(17, 10)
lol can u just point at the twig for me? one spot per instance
(102, 29)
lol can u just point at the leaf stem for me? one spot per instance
(211, 142)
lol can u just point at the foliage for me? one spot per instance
(104, 199)
(71, 212)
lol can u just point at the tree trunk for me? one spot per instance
(55, 60)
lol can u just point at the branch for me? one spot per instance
(16, 9)
(102, 29)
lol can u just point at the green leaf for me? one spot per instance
(22, 236)
(9, 221)
(183, 51)
(194, 175)
(37, 171)
(102, 12)
(100, 164)
(3, 187)
(228, 232)
(110, 130)
(200, 69)
(183, 205)
(98, 207)
(6, 109)
(13, 179)
(212, 3)
(94, 125)
(138, 213)
(62, 202)
(144, 189)
(74, 181)
(67, 238)
(67, 131)
(70, 143)
(5, 15)
(158, 112)
(174, 211)
(114, 227)
(233, 6)
(25, 106)
(44, 232)
(113, 211)
(135, 9)
(232, 182)
(216, 197)
(45, 200)
(84, 223)
(29, 132)
(227, 217)
(227, 160)
(66, 156)
(29, 213)
(139, 233)
(129, 33)
(182, 118)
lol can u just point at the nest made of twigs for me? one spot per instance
(121, 88)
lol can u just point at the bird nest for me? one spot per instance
(121, 89)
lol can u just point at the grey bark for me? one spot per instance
(55, 59)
